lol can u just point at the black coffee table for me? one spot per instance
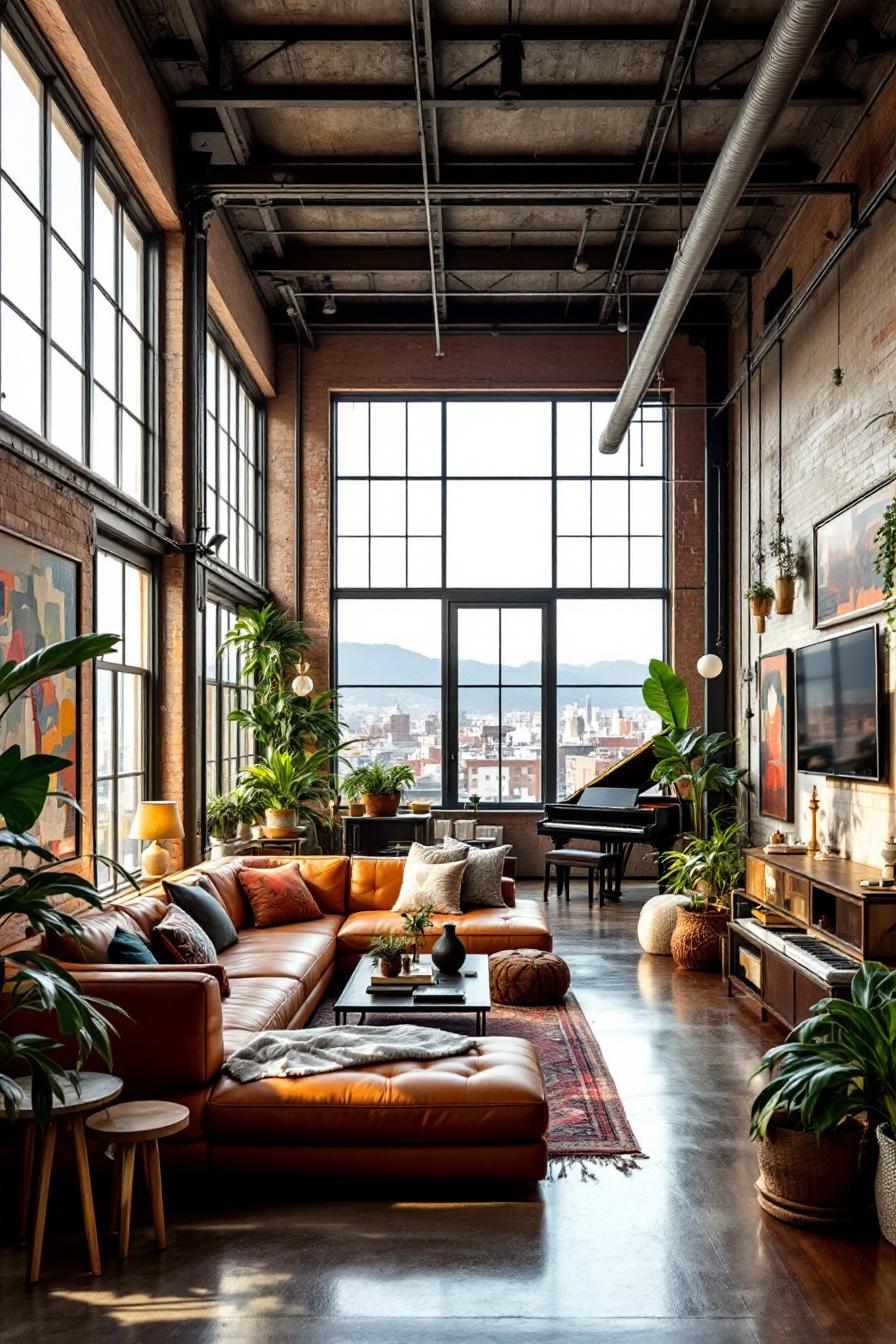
(477, 995)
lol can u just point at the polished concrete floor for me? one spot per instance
(678, 1251)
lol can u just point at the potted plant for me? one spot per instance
(415, 923)
(291, 788)
(761, 599)
(386, 950)
(782, 552)
(249, 810)
(222, 815)
(707, 869)
(379, 786)
(834, 1071)
(32, 888)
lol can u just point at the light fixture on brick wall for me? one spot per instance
(301, 682)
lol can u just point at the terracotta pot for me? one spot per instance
(761, 607)
(390, 966)
(784, 590)
(885, 1182)
(356, 809)
(803, 1178)
(695, 939)
(382, 804)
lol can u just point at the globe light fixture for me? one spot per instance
(709, 666)
(301, 682)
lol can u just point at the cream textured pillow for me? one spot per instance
(435, 884)
(481, 887)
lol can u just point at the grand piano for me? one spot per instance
(619, 809)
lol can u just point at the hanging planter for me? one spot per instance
(761, 599)
(782, 552)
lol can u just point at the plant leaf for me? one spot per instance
(665, 692)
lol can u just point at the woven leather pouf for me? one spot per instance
(527, 977)
(656, 922)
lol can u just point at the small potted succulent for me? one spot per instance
(707, 869)
(379, 787)
(835, 1072)
(782, 552)
(386, 950)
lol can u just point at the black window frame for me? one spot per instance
(215, 732)
(211, 525)
(451, 598)
(108, 881)
(97, 158)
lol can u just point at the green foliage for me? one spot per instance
(222, 815)
(387, 945)
(696, 760)
(840, 1062)
(782, 551)
(378, 778)
(707, 867)
(290, 783)
(885, 559)
(666, 694)
(30, 981)
(760, 591)
(416, 922)
(269, 642)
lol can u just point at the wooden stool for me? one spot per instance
(127, 1126)
(95, 1089)
(564, 860)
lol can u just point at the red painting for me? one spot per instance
(776, 735)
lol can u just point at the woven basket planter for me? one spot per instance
(804, 1179)
(695, 939)
(527, 977)
(885, 1182)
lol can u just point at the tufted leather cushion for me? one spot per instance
(493, 1095)
(278, 896)
(527, 976)
(486, 930)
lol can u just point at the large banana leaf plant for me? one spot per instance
(32, 883)
(688, 759)
(840, 1062)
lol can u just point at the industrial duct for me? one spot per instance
(791, 42)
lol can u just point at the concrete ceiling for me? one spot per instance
(304, 115)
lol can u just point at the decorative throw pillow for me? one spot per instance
(179, 938)
(482, 879)
(126, 949)
(207, 911)
(278, 895)
(435, 884)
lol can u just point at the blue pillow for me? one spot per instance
(126, 949)
(208, 913)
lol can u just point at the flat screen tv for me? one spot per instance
(838, 707)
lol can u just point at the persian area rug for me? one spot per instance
(588, 1123)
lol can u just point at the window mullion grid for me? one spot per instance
(44, 210)
(87, 180)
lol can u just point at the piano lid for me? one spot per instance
(596, 795)
(632, 772)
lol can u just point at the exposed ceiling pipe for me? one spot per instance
(794, 36)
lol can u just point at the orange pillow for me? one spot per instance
(278, 895)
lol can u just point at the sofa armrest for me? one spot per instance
(508, 890)
(212, 968)
(172, 1037)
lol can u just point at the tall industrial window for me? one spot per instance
(121, 711)
(228, 747)
(499, 587)
(233, 457)
(77, 286)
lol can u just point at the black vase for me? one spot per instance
(449, 953)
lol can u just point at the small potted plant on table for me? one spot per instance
(379, 786)
(386, 950)
(415, 923)
(707, 869)
(835, 1071)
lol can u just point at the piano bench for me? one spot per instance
(607, 867)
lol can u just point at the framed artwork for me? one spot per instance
(39, 593)
(846, 583)
(776, 735)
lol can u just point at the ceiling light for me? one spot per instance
(709, 666)
(581, 265)
(328, 307)
(622, 322)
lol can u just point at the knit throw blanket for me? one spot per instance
(299, 1054)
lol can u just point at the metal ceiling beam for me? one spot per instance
(366, 260)
(425, 78)
(525, 314)
(366, 97)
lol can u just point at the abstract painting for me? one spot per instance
(846, 582)
(776, 735)
(38, 606)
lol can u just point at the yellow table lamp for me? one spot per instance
(155, 821)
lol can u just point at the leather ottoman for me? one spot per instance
(528, 977)
(480, 1115)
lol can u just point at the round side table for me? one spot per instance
(127, 1126)
(95, 1090)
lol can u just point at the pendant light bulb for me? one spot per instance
(709, 666)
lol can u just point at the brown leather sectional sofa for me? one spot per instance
(478, 1114)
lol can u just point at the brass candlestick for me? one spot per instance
(813, 846)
